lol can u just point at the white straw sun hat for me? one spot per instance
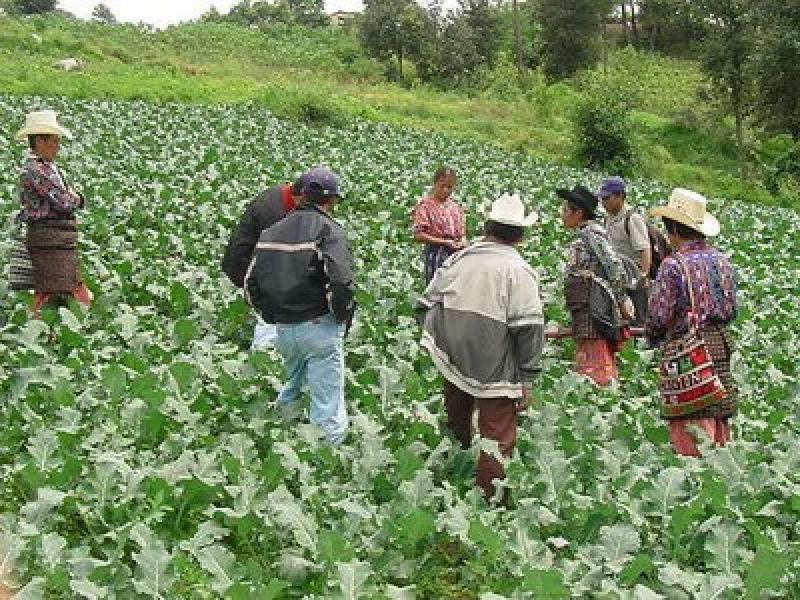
(690, 209)
(509, 210)
(42, 122)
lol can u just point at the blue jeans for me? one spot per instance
(313, 352)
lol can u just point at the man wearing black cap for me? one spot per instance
(301, 279)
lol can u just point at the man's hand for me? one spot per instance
(524, 402)
(78, 198)
(457, 244)
(626, 309)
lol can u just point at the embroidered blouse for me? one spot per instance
(440, 219)
(43, 193)
(713, 286)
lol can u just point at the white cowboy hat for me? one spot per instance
(42, 122)
(509, 210)
(689, 208)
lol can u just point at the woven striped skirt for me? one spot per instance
(20, 266)
(53, 247)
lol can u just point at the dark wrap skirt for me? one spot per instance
(53, 246)
(576, 296)
(434, 255)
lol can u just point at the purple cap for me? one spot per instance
(612, 185)
(322, 181)
(300, 183)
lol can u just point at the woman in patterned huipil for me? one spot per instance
(688, 224)
(48, 207)
(438, 222)
(594, 355)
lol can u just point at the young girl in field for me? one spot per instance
(438, 222)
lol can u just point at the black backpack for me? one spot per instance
(659, 246)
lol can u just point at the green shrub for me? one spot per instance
(551, 100)
(312, 108)
(654, 83)
(779, 161)
(603, 133)
(503, 81)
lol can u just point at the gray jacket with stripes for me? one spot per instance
(302, 268)
(484, 324)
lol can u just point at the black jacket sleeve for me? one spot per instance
(264, 210)
(241, 245)
(338, 264)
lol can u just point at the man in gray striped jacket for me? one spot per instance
(484, 329)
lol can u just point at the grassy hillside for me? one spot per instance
(322, 76)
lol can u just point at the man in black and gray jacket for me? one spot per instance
(301, 279)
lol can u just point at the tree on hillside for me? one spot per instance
(308, 12)
(570, 31)
(393, 29)
(671, 26)
(634, 22)
(778, 67)
(33, 7)
(728, 53)
(458, 54)
(249, 13)
(519, 53)
(483, 21)
(212, 15)
(103, 14)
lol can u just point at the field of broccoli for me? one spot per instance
(141, 456)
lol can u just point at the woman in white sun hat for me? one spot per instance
(48, 207)
(484, 330)
(712, 285)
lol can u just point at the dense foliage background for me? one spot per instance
(140, 455)
(706, 88)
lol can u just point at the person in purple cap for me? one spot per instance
(266, 209)
(627, 232)
(301, 279)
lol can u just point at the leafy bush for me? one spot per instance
(504, 81)
(779, 160)
(311, 108)
(603, 133)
